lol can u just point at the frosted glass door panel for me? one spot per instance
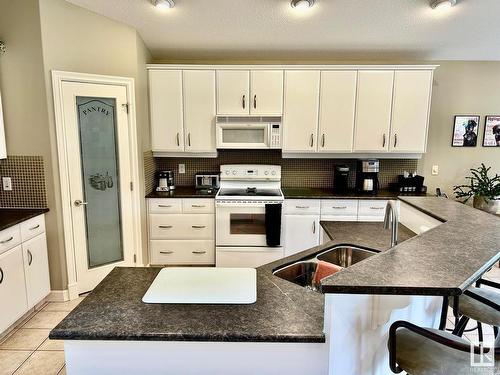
(98, 147)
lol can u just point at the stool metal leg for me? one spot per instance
(480, 331)
(460, 327)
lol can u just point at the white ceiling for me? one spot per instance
(332, 29)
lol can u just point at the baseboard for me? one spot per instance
(58, 296)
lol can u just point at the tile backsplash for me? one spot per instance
(28, 182)
(294, 172)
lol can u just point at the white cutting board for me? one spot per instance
(203, 285)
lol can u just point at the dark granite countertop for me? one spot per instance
(183, 192)
(12, 216)
(445, 260)
(323, 193)
(364, 234)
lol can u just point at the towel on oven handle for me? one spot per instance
(273, 224)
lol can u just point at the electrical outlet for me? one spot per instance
(7, 183)
(182, 168)
(435, 170)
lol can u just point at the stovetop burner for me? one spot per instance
(249, 192)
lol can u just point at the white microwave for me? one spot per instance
(248, 135)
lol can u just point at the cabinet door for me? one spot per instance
(410, 112)
(300, 117)
(165, 97)
(12, 287)
(337, 108)
(3, 147)
(199, 110)
(373, 111)
(233, 92)
(301, 233)
(266, 92)
(36, 269)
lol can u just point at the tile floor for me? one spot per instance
(28, 350)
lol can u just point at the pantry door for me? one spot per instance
(99, 170)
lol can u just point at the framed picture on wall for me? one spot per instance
(491, 136)
(465, 128)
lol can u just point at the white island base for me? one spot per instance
(356, 328)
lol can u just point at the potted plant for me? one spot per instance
(484, 189)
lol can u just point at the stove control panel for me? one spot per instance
(250, 172)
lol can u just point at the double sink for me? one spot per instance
(302, 272)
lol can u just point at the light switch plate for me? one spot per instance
(7, 183)
(182, 168)
(435, 170)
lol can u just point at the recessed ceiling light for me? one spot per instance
(442, 4)
(163, 4)
(302, 4)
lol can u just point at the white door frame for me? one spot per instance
(58, 77)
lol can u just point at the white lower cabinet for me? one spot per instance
(24, 269)
(371, 210)
(36, 265)
(12, 287)
(181, 231)
(301, 224)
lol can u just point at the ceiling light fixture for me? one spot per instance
(163, 4)
(302, 4)
(442, 4)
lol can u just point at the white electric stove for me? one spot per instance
(244, 192)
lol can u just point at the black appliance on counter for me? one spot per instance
(411, 184)
(341, 179)
(207, 180)
(165, 181)
(367, 176)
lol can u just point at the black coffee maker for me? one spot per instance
(367, 176)
(341, 179)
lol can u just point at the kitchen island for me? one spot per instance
(290, 329)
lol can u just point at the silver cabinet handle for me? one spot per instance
(377, 208)
(198, 205)
(165, 205)
(189, 139)
(323, 140)
(7, 240)
(178, 140)
(312, 140)
(198, 226)
(165, 226)
(166, 252)
(314, 226)
(79, 203)
(30, 257)
(302, 207)
(395, 140)
(339, 207)
(255, 101)
(199, 252)
(35, 227)
(383, 140)
(1, 275)
(243, 101)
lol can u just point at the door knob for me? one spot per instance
(79, 203)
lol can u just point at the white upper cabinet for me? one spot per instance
(373, 111)
(266, 88)
(300, 116)
(165, 87)
(233, 92)
(337, 109)
(199, 110)
(410, 112)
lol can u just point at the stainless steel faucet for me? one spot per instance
(391, 218)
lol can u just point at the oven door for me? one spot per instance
(243, 136)
(241, 224)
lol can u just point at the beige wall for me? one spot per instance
(460, 88)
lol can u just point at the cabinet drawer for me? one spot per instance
(371, 210)
(339, 207)
(182, 227)
(9, 238)
(165, 206)
(32, 227)
(302, 206)
(198, 206)
(182, 252)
